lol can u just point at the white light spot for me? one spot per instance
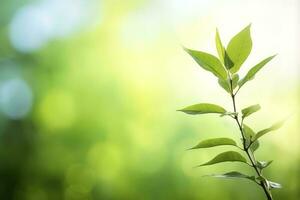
(30, 29)
(141, 28)
(15, 98)
(35, 25)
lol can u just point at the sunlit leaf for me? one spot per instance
(250, 110)
(251, 73)
(233, 175)
(228, 156)
(214, 142)
(263, 164)
(208, 62)
(223, 55)
(225, 85)
(267, 130)
(203, 108)
(219, 46)
(239, 48)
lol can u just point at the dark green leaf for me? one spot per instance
(235, 79)
(263, 164)
(251, 73)
(208, 62)
(250, 110)
(203, 108)
(215, 142)
(228, 156)
(227, 61)
(239, 48)
(219, 46)
(233, 174)
(272, 128)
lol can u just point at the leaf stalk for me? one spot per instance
(246, 149)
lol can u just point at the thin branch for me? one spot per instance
(246, 148)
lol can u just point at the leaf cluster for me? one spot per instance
(225, 68)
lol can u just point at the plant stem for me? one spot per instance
(248, 151)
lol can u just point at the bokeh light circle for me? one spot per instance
(30, 29)
(15, 98)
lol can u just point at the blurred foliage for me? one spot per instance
(102, 121)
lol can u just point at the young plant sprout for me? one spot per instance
(226, 68)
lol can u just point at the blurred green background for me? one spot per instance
(89, 89)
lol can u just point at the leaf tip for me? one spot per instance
(185, 48)
(274, 55)
(190, 149)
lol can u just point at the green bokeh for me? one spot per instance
(103, 123)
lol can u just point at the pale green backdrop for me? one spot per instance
(89, 89)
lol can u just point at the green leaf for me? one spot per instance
(248, 132)
(203, 108)
(239, 48)
(249, 135)
(228, 156)
(208, 62)
(223, 55)
(263, 164)
(254, 146)
(267, 130)
(219, 46)
(251, 73)
(235, 79)
(233, 174)
(214, 142)
(250, 110)
(227, 61)
(224, 83)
